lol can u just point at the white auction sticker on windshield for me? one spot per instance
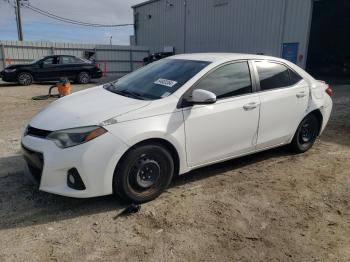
(165, 82)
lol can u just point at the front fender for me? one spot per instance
(169, 127)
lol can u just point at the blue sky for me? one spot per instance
(40, 28)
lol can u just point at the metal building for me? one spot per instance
(272, 27)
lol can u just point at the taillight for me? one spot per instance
(329, 91)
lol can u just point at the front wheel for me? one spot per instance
(306, 134)
(83, 78)
(25, 79)
(144, 173)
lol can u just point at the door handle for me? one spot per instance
(301, 94)
(250, 106)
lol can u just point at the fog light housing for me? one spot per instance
(74, 180)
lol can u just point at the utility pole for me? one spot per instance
(19, 20)
(16, 15)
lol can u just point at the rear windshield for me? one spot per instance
(157, 80)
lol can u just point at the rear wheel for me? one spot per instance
(144, 173)
(83, 78)
(306, 134)
(25, 79)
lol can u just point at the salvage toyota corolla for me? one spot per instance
(133, 135)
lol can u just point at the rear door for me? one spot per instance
(70, 66)
(284, 99)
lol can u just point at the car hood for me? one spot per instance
(16, 66)
(85, 108)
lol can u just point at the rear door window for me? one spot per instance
(294, 77)
(272, 75)
(68, 60)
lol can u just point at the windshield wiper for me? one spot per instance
(129, 93)
(108, 85)
(112, 87)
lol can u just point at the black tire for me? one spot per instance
(306, 134)
(25, 78)
(83, 78)
(144, 173)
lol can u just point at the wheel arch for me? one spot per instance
(83, 70)
(25, 71)
(160, 141)
(317, 113)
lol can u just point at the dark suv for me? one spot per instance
(52, 68)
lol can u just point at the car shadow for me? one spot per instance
(22, 204)
(230, 165)
(5, 84)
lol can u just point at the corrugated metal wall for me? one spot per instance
(297, 25)
(160, 23)
(248, 26)
(252, 26)
(115, 59)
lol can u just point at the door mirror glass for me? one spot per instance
(200, 96)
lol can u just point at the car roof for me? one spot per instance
(58, 56)
(222, 57)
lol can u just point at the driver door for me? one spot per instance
(228, 127)
(48, 69)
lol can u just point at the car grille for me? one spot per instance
(35, 162)
(32, 131)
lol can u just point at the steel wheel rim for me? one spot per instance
(144, 173)
(307, 132)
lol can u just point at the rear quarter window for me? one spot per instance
(294, 77)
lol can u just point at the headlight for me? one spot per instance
(10, 70)
(75, 136)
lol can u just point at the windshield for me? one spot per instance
(36, 60)
(157, 80)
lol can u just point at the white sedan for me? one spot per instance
(132, 136)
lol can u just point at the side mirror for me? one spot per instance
(200, 96)
(41, 64)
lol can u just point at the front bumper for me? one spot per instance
(8, 77)
(35, 163)
(95, 161)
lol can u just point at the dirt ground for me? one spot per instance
(271, 206)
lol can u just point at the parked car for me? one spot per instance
(132, 136)
(52, 68)
(156, 56)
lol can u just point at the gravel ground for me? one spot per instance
(271, 206)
